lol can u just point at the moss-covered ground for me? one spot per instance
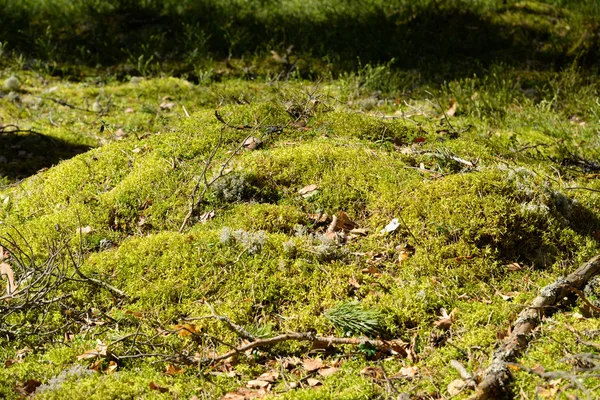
(490, 173)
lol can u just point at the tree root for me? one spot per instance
(495, 378)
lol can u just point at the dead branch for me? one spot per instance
(202, 181)
(497, 374)
(302, 337)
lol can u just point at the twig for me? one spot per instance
(239, 330)
(495, 377)
(582, 188)
(196, 198)
(301, 337)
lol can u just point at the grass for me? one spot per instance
(475, 190)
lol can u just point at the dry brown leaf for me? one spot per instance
(112, 367)
(185, 329)
(242, 394)
(160, 389)
(29, 386)
(257, 384)
(508, 296)
(137, 314)
(407, 372)
(95, 366)
(445, 320)
(328, 371)
(6, 270)
(312, 382)
(173, 370)
(252, 143)
(344, 222)
(354, 283)
(456, 386)
(270, 376)
(373, 372)
(89, 354)
(309, 190)
(101, 347)
(204, 218)
(167, 105)
(84, 230)
(360, 231)
(233, 396)
(9, 362)
(452, 110)
(312, 364)
(513, 267)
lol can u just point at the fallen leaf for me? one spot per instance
(204, 218)
(6, 270)
(360, 231)
(129, 110)
(167, 105)
(242, 394)
(508, 296)
(30, 386)
(312, 382)
(538, 369)
(154, 386)
(513, 267)
(112, 367)
(270, 376)
(391, 227)
(312, 364)
(456, 386)
(328, 371)
(137, 314)
(373, 372)
(84, 231)
(445, 321)
(407, 372)
(403, 255)
(101, 347)
(9, 362)
(173, 370)
(257, 384)
(95, 366)
(252, 143)
(308, 191)
(354, 283)
(578, 316)
(89, 354)
(185, 330)
(452, 110)
(344, 222)
(419, 140)
(120, 134)
(234, 396)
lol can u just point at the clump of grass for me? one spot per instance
(354, 320)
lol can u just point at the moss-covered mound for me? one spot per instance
(428, 218)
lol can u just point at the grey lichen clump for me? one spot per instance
(233, 188)
(12, 84)
(73, 373)
(540, 198)
(253, 242)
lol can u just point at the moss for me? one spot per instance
(470, 199)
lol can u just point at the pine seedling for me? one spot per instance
(352, 319)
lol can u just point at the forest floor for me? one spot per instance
(280, 225)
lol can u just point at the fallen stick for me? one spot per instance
(307, 337)
(495, 378)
